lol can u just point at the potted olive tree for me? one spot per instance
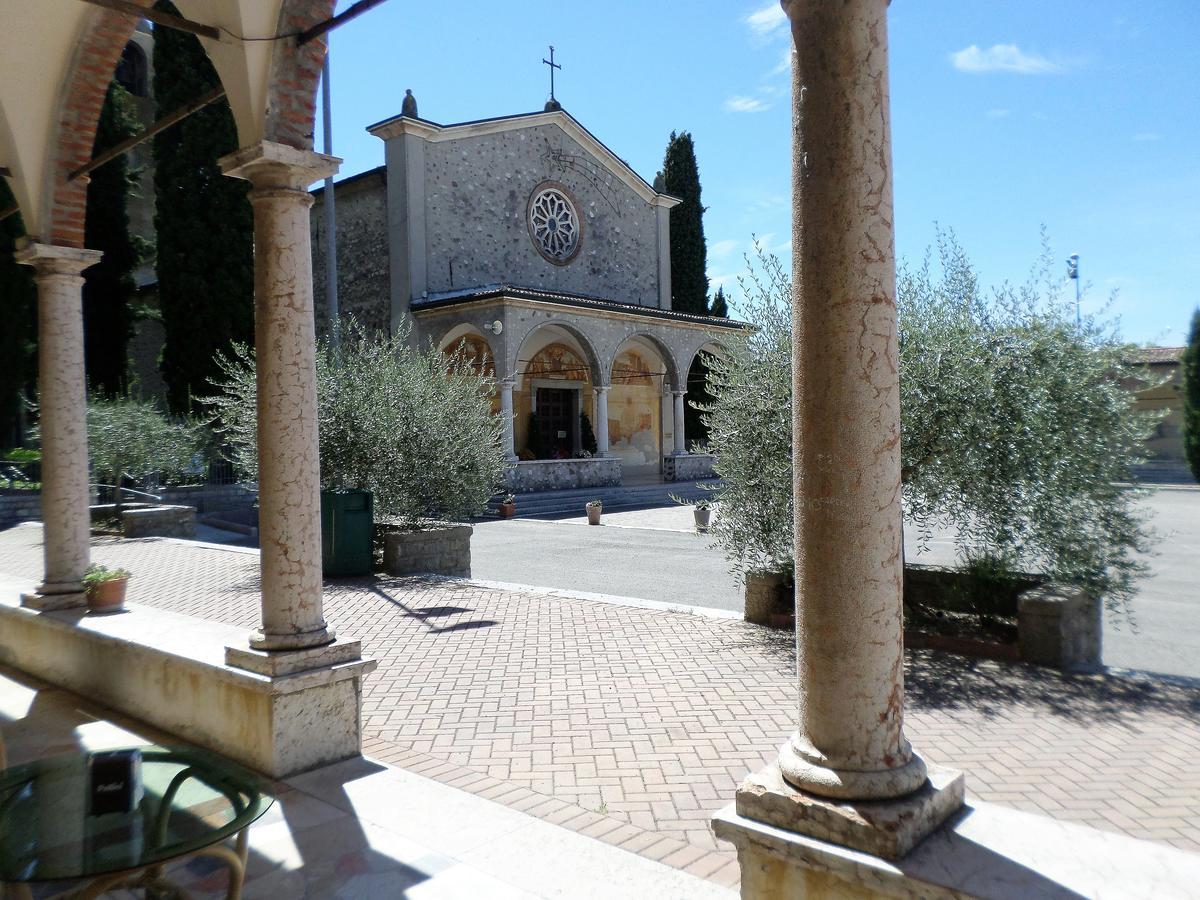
(105, 588)
(702, 511)
(594, 508)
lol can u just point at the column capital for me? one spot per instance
(602, 388)
(679, 393)
(268, 164)
(53, 259)
(509, 383)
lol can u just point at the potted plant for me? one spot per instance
(702, 510)
(508, 506)
(594, 508)
(105, 588)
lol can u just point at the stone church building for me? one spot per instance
(528, 245)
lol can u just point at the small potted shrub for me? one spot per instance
(105, 588)
(594, 508)
(702, 510)
(508, 506)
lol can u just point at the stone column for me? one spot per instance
(849, 745)
(62, 421)
(506, 418)
(284, 336)
(602, 419)
(680, 437)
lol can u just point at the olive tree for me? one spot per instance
(134, 439)
(413, 426)
(1016, 433)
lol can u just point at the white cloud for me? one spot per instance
(1147, 136)
(785, 62)
(768, 20)
(1002, 58)
(721, 249)
(742, 104)
(999, 113)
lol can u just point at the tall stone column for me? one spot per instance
(680, 437)
(285, 346)
(506, 418)
(602, 419)
(62, 422)
(848, 774)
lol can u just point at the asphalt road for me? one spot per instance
(653, 555)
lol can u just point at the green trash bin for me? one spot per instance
(347, 518)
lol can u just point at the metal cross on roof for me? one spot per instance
(553, 65)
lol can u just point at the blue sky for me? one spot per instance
(1082, 116)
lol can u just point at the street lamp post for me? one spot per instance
(1073, 274)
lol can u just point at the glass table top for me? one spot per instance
(192, 799)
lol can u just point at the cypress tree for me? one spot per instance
(1191, 397)
(681, 178)
(720, 306)
(205, 259)
(108, 286)
(18, 335)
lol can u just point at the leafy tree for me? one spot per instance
(720, 306)
(108, 286)
(1191, 397)
(413, 426)
(134, 439)
(18, 336)
(1015, 429)
(681, 178)
(205, 260)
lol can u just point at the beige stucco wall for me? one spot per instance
(1166, 442)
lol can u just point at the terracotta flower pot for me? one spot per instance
(107, 596)
(593, 514)
(507, 510)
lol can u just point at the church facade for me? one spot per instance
(526, 244)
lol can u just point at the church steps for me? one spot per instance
(557, 504)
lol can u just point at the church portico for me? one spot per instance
(558, 358)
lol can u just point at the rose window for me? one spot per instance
(554, 224)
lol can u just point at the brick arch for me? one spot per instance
(105, 34)
(295, 75)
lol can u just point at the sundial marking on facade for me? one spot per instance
(595, 174)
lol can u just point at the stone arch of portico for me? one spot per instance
(518, 356)
(290, 99)
(671, 373)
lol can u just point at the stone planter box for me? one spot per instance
(431, 550)
(1061, 626)
(768, 599)
(159, 521)
(563, 474)
(691, 467)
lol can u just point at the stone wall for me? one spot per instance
(362, 251)
(208, 498)
(476, 193)
(434, 550)
(1062, 627)
(20, 506)
(563, 474)
(688, 468)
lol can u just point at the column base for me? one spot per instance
(48, 597)
(260, 640)
(883, 828)
(274, 663)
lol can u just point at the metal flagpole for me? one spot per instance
(330, 210)
(1073, 274)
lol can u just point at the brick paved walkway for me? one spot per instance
(634, 725)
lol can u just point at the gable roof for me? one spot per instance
(435, 133)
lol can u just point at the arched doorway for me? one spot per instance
(553, 401)
(640, 421)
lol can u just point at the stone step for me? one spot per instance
(571, 502)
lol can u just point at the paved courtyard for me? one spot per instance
(632, 725)
(662, 558)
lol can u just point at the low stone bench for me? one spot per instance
(431, 550)
(159, 521)
(1060, 626)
